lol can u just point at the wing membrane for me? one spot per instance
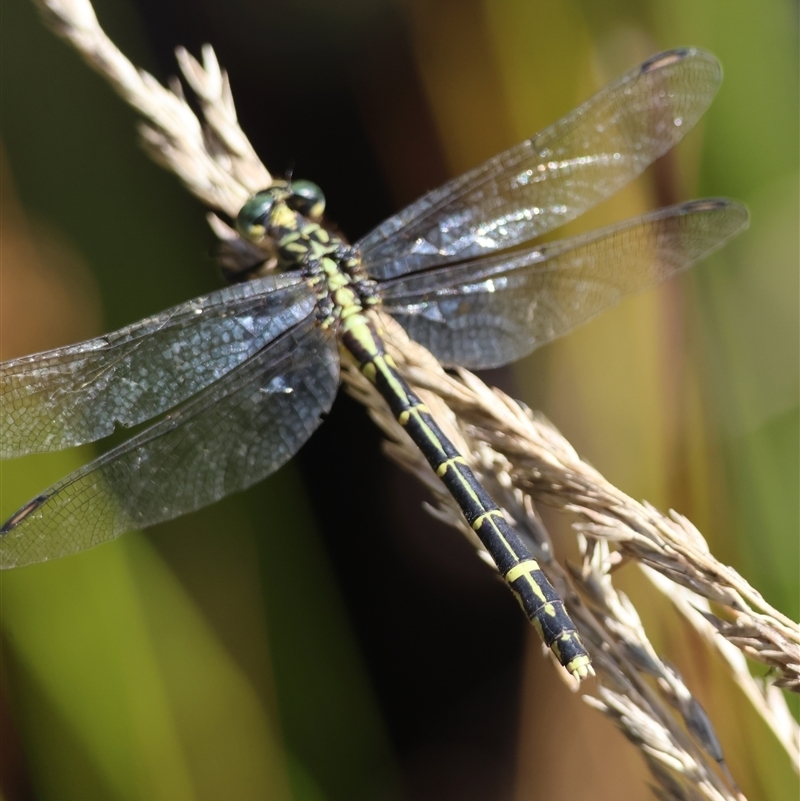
(77, 394)
(553, 177)
(495, 310)
(231, 435)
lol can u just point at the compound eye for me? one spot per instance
(307, 199)
(251, 221)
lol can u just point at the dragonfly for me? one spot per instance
(236, 381)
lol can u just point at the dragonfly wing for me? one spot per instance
(495, 310)
(79, 393)
(558, 174)
(229, 436)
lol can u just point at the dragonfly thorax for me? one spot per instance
(288, 215)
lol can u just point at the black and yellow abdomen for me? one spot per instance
(541, 603)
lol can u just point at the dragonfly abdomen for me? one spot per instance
(537, 597)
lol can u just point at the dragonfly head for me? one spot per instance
(307, 199)
(268, 208)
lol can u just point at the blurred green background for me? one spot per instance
(299, 642)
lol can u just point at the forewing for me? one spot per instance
(496, 310)
(79, 393)
(553, 177)
(231, 435)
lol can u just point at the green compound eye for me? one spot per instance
(251, 221)
(307, 199)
